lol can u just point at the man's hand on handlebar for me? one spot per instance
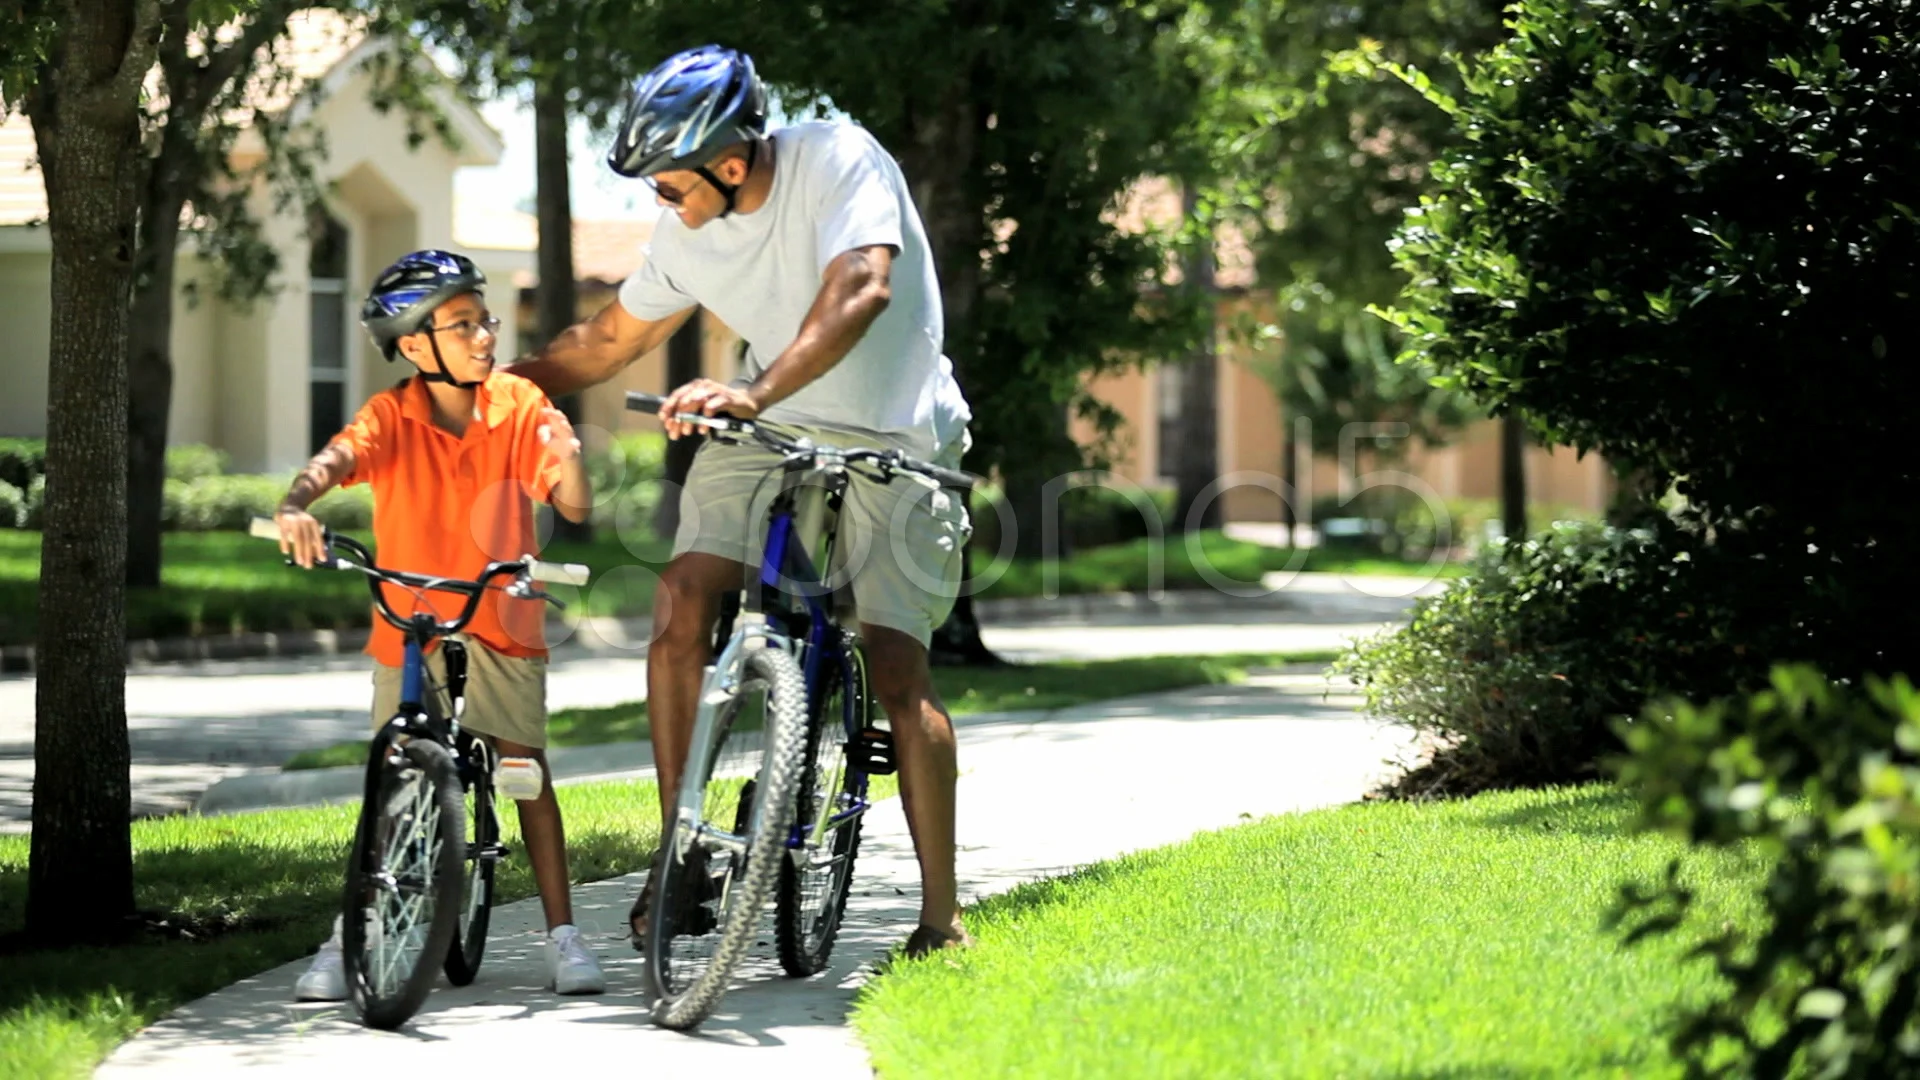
(707, 398)
(302, 538)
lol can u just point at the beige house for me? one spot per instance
(267, 382)
(1250, 419)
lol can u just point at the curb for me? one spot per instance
(345, 783)
(628, 635)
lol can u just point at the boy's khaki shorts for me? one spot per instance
(506, 695)
(900, 542)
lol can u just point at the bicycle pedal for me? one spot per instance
(871, 752)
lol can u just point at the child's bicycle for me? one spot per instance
(784, 740)
(419, 883)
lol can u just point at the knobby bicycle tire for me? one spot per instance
(766, 847)
(805, 933)
(388, 998)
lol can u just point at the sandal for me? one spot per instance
(694, 919)
(928, 939)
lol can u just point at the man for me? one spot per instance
(805, 242)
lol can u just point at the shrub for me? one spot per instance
(21, 460)
(1822, 780)
(1678, 234)
(229, 502)
(195, 462)
(13, 506)
(1089, 517)
(36, 498)
(1515, 673)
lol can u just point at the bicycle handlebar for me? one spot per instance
(362, 560)
(888, 461)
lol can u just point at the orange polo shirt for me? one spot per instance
(448, 505)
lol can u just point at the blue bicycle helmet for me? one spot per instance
(406, 294)
(688, 109)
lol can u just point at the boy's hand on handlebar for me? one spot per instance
(302, 538)
(708, 398)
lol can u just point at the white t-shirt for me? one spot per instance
(834, 189)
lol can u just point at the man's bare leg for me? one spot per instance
(924, 745)
(684, 608)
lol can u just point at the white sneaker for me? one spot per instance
(571, 962)
(326, 978)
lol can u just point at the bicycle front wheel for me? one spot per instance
(482, 852)
(815, 879)
(403, 885)
(707, 907)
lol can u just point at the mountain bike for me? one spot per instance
(785, 739)
(419, 881)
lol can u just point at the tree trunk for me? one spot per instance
(85, 118)
(1198, 462)
(554, 202)
(1290, 476)
(938, 163)
(1513, 477)
(683, 366)
(150, 378)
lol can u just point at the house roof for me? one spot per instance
(319, 46)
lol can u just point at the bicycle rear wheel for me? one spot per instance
(482, 852)
(403, 885)
(814, 882)
(707, 906)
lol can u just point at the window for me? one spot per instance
(1169, 387)
(327, 333)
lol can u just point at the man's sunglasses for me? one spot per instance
(669, 194)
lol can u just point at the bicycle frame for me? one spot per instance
(787, 573)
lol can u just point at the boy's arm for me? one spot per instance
(572, 494)
(300, 533)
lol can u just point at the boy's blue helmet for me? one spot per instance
(686, 110)
(405, 295)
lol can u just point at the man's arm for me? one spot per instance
(854, 290)
(591, 352)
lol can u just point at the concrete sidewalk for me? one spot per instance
(1038, 797)
(192, 726)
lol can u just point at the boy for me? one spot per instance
(453, 454)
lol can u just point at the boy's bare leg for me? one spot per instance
(929, 766)
(546, 839)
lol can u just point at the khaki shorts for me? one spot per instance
(506, 695)
(899, 542)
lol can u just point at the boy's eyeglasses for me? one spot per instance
(468, 329)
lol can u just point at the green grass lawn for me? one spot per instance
(228, 582)
(1127, 567)
(965, 690)
(1391, 940)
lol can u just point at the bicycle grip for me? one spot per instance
(558, 573)
(265, 528)
(646, 403)
(952, 478)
